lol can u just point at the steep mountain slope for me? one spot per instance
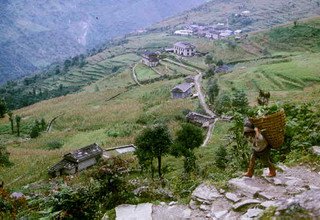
(248, 15)
(34, 34)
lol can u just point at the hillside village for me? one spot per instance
(90, 152)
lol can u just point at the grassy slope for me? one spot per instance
(293, 68)
(89, 117)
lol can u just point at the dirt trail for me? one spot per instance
(197, 81)
(134, 76)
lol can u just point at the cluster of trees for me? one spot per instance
(156, 142)
(37, 128)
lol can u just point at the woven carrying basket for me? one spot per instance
(272, 127)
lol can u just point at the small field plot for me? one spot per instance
(144, 72)
(296, 74)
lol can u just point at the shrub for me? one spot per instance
(55, 144)
(221, 157)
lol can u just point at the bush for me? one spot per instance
(4, 156)
(52, 145)
(221, 157)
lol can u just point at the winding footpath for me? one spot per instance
(134, 75)
(197, 81)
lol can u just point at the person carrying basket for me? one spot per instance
(260, 149)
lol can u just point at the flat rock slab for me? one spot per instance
(252, 213)
(310, 200)
(249, 186)
(205, 193)
(166, 212)
(245, 203)
(233, 197)
(134, 212)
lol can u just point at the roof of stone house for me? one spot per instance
(199, 118)
(184, 45)
(84, 153)
(182, 87)
(62, 164)
(151, 56)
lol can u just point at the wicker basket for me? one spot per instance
(272, 127)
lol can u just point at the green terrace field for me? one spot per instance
(144, 72)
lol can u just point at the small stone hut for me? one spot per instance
(150, 59)
(199, 119)
(184, 48)
(77, 160)
(182, 91)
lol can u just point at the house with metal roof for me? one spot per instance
(77, 160)
(182, 91)
(184, 49)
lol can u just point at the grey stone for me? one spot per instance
(192, 204)
(316, 150)
(252, 213)
(134, 212)
(233, 197)
(17, 195)
(220, 214)
(172, 203)
(220, 204)
(162, 203)
(204, 207)
(245, 203)
(310, 200)
(232, 216)
(205, 192)
(247, 185)
(267, 204)
(266, 195)
(180, 212)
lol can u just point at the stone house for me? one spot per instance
(182, 91)
(199, 119)
(184, 49)
(150, 59)
(77, 160)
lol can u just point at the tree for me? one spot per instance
(35, 131)
(240, 101)
(18, 120)
(208, 59)
(153, 142)
(188, 138)
(3, 108)
(213, 90)
(11, 121)
(43, 124)
(220, 63)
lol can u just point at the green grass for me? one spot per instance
(296, 74)
(144, 72)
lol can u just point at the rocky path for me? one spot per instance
(246, 198)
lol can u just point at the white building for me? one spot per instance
(184, 48)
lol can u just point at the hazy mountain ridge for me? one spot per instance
(262, 13)
(34, 34)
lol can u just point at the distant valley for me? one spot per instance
(34, 34)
